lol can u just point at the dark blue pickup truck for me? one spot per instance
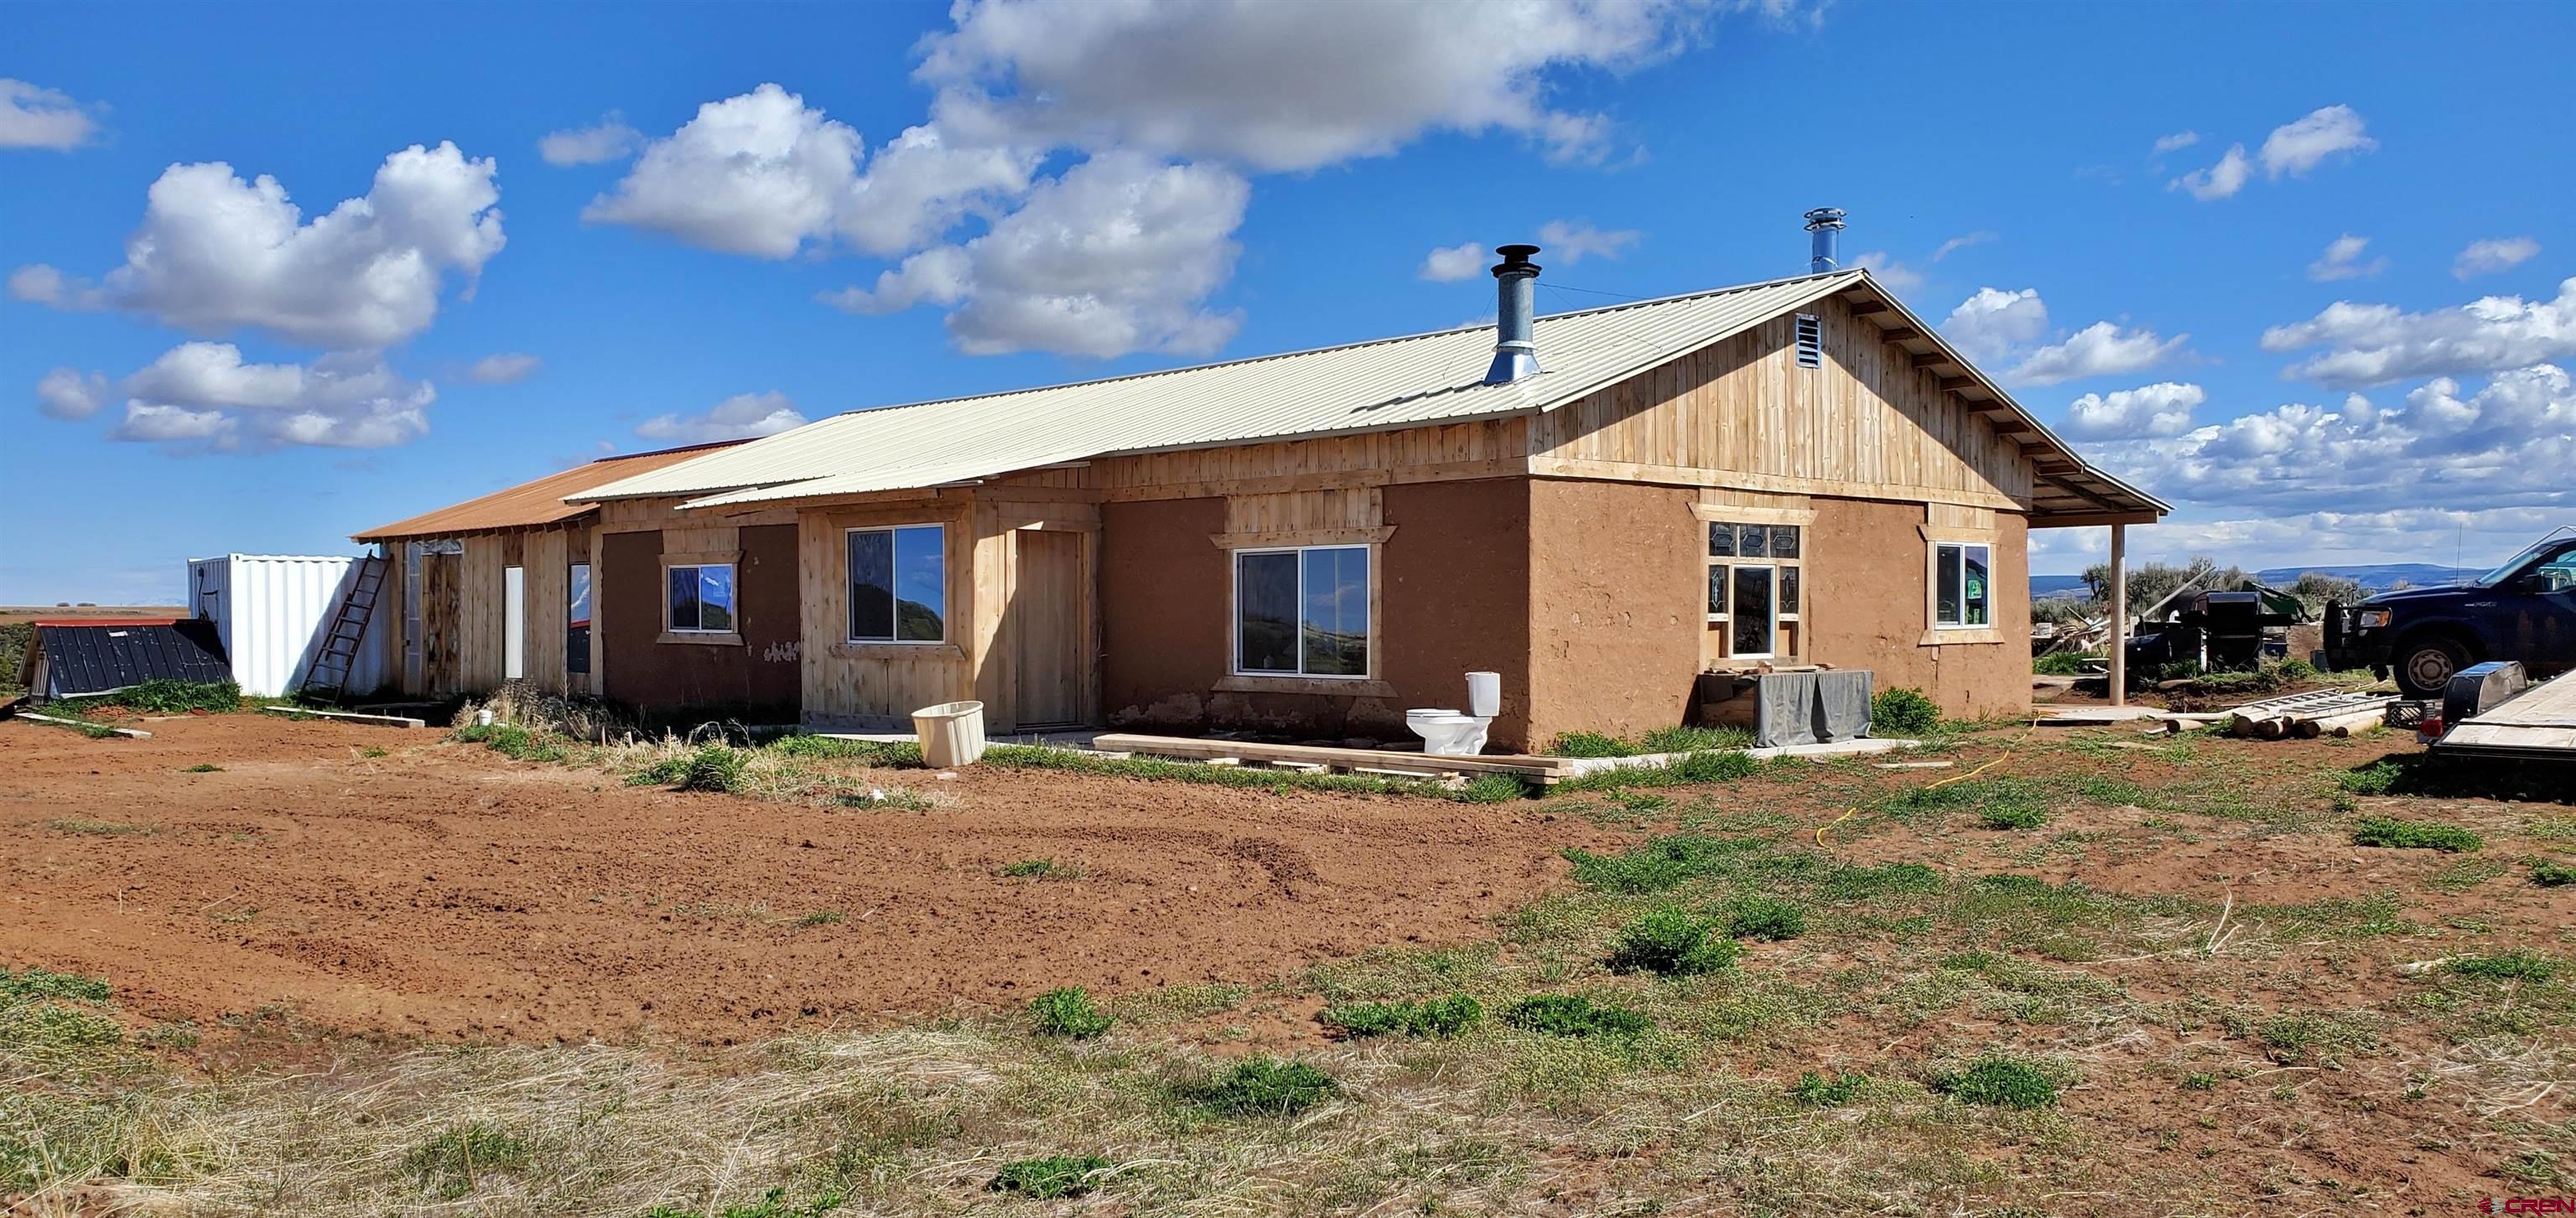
(2524, 610)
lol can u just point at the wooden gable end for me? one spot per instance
(1866, 423)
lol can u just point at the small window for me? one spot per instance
(899, 584)
(514, 623)
(1302, 612)
(577, 618)
(1962, 593)
(701, 599)
(1811, 341)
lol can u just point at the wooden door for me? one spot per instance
(1050, 614)
(442, 663)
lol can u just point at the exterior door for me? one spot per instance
(1050, 618)
(441, 652)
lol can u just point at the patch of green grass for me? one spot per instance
(2516, 965)
(1436, 1017)
(163, 696)
(2294, 1036)
(1813, 1090)
(511, 741)
(1590, 744)
(1039, 869)
(450, 1164)
(1660, 863)
(886, 754)
(1902, 711)
(823, 917)
(1672, 942)
(1069, 1013)
(1999, 1082)
(1697, 739)
(1573, 1015)
(1494, 788)
(2012, 816)
(2377, 778)
(203, 767)
(37, 981)
(2551, 875)
(1049, 1177)
(772, 1204)
(1753, 916)
(1263, 1086)
(714, 767)
(2200, 1082)
(2414, 835)
(104, 828)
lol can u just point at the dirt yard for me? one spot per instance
(379, 880)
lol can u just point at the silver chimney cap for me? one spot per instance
(1824, 253)
(1515, 330)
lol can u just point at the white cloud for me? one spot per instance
(740, 417)
(2488, 257)
(2308, 540)
(1569, 242)
(504, 368)
(65, 393)
(1118, 255)
(1275, 87)
(1988, 325)
(2100, 349)
(2372, 344)
(2219, 181)
(2176, 142)
(32, 116)
(216, 254)
(2161, 409)
(609, 139)
(2297, 147)
(1894, 275)
(203, 391)
(1451, 263)
(2342, 260)
(1955, 244)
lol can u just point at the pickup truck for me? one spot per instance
(2524, 610)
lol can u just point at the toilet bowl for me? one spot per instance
(1446, 733)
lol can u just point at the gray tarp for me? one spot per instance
(1810, 707)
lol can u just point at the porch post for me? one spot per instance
(2119, 615)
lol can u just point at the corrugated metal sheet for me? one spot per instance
(530, 504)
(1372, 386)
(76, 659)
(270, 610)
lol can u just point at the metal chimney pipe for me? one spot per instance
(1825, 225)
(1515, 292)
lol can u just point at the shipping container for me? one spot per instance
(271, 610)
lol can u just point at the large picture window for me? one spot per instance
(1754, 573)
(701, 599)
(1302, 612)
(899, 584)
(1962, 592)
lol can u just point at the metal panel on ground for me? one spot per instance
(75, 659)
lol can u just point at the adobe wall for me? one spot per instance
(1863, 604)
(758, 680)
(1618, 589)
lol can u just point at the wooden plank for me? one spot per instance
(134, 732)
(348, 716)
(1178, 746)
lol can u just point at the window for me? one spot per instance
(1302, 612)
(1811, 341)
(577, 618)
(899, 584)
(1962, 593)
(1753, 576)
(701, 599)
(514, 623)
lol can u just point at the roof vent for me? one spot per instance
(1811, 341)
(1515, 342)
(1825, 227)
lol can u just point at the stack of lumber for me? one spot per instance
(2310, 715)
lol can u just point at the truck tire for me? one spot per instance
(2426, 665)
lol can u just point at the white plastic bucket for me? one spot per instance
(951, 733)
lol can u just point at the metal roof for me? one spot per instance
(529, 504)
(1385, 384)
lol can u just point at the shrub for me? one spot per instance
(2515, 965)
(823, 917)
(1263, 1086)
(1902, 710)
(2012, 816)
(1826, 1090)
(1671, 942)
(1070, 1013)
(714, 767)
(2551, 875)
(2414, 835)
(1049, 1177)
(1573, 1015)
(1590, 744)
(1999, 1082)
(2064, 664)
(1759, 917)
(203, 767)
(1437, 1017)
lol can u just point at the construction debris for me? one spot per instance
(2310, 715)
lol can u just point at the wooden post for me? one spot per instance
(2119, 615)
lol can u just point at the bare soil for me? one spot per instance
(442, 891)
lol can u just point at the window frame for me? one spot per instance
(1713, 518)
(849, 607)
(577, 659)
(1960, 562)
(1234, 615)
(733, 583)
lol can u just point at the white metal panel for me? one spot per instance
(272, 611)
(514, 623)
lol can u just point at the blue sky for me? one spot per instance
(2285, 339)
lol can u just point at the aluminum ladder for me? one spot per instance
(329, 675)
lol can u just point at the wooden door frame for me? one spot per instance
(1086, 634)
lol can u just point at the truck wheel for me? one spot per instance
(2425, 666)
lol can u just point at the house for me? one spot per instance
(1599, 505)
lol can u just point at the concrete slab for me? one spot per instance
(1838, 748)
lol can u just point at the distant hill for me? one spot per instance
(2375, 578)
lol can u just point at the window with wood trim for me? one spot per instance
(1302, 612)
(1962, 585)
(700, 599)
(1754, 573)
(899, 584)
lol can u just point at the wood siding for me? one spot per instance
(479, 612)
(873, 684)
(545, 589)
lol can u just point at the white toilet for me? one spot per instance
(1446, 733)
